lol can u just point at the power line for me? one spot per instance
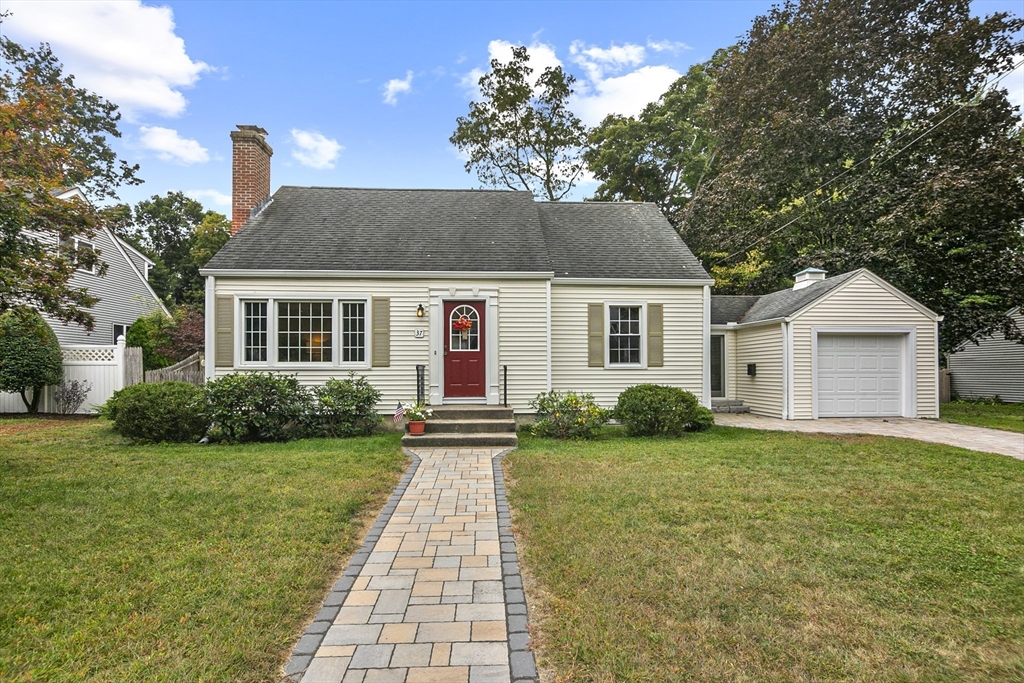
(959, 106)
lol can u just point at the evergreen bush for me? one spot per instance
(656, 410)
(567, 415)
(345, 407)
(253, 406)
(158, 411)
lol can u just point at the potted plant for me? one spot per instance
(417, 415)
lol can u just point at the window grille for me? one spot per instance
(353, 332)
(624, 338)
(304, 332)
(255, 331)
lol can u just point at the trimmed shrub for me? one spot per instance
(567, 416)
(345, 407)
(30, 355)
(158, 411)
(702, 421)
(655, 410)
(253, 406)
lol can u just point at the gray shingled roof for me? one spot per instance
(335, 228)
(728, 308)
(615, 239)
(780, 304)
(319, 228)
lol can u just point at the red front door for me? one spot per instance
(464, 363)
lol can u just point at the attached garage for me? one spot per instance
(859, 375)
(848, 346)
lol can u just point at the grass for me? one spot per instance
(739, 555)
(172, 562)
(1008, 416)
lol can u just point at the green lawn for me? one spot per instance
(171, 563)
(740, 555)
(1008, 416)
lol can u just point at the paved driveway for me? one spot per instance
(933, 431)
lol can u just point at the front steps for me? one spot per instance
(466, 426)
(728, 405)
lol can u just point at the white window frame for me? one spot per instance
(642, 305)
(92, 245)
(272, 331)
(113, 330)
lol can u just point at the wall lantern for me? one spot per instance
(419, 311)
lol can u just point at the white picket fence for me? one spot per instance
(103, 367)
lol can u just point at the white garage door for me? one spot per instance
(860, 375)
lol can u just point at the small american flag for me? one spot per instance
(399, 412)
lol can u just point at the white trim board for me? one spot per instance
(377, 274)
(438, 327)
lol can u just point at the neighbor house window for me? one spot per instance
(625, 340)
(255, 342)
(120, 331)
(304, 331)
(353, 331)
(84, 247)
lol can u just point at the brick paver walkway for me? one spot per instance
(933, 431)
(436, 593)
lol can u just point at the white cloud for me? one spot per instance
(314, 149)
(210, 197)
(673, 46)
(123, 50)
(626, 95)
(169, 146)
(397, 86)
(613, 80)
(598, 62)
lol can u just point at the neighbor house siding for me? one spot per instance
(992, 367)
(683, 340)
(763, 347)
(123, 297)
(863, 303)
(522, 343)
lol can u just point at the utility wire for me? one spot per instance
(960, 106)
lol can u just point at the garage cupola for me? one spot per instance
(807, 277)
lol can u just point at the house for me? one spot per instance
(124, 292)
(490, 292)
(990, 365)
(851, 345)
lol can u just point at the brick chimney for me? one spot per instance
(250, 172)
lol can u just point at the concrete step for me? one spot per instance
(450, 440)
(471, 412)
(728, 405)
(435, 426)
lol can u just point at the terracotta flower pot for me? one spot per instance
(416, 427)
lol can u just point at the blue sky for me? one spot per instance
(356, 94)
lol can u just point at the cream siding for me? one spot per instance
(863, 303)
(992, 367)
(683, 339)
(732, 375)
(522, 331)
(762, 346)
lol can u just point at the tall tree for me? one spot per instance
(53, 136)
(181, 237)
(522, 135)
(854, 133)
(663, 155)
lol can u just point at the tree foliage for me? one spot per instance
(522, 135)
(867, 134)
(30, 355)
(53, 136)
(180, 236)
(665, 154)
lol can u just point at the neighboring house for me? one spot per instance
(590, 297)
(847, 346)
(990, 365)
(123, 291)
